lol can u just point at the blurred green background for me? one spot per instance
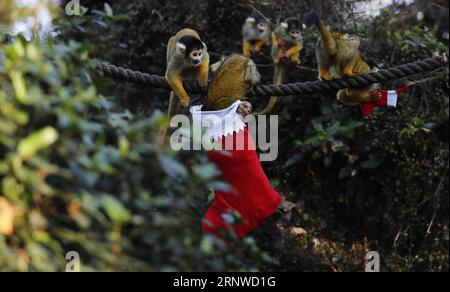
(80, 171)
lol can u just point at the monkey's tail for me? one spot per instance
(312, 18)
(280, 72)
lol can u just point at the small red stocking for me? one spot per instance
(252, 196)
(388, 98)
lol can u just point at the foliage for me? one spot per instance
(380, 182)
(11, 12)
(91, 179)
(81, 177)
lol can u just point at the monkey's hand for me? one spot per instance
(325, 75)
(258, 46)
(177, 86)
(203, 76)
(295, 59)
(186, 103)
(246, 49)
(203, 83)
(245, 108)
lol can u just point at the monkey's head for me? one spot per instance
(349, 41)
(192, 49)
(290, 29)
(263, 27)
(258, 24)
(233, 77)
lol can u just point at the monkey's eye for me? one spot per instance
(262, 25)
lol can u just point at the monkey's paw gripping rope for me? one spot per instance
(299, 88)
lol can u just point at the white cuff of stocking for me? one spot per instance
(219, 123)
(392, 98)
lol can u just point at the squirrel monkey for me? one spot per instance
(233, 78)
(287, 45)
(187, 59)
(338, 56)
(256, 34)
(287, 41)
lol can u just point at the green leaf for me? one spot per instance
(108, 10)
(206, 171)
(372, 162)
(345, 172)
(327, 161)
(124, 146)
(333, 129)
(312, 140)
(172, 167)
(12, 189)
(37, 141)
(20, 88)
(115, 209)
(318, 126)
(293, 160)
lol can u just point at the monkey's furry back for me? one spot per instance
(229, 83)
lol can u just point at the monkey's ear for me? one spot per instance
(284, 25)
(181, 48)
(252, 75)
(250, 20)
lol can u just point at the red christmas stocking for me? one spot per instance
(251, 196)
(388, 99)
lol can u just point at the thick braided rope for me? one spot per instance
(299, 88)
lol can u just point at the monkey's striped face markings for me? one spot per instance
(196, 57)
(294, 28)
(290, 28)
(258, 24)
(263, 27)
(351, 40)
(295, 34)
(192, 49)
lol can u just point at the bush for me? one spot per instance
(78, 176)
(82, 174)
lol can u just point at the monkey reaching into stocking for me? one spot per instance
(250, 195)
